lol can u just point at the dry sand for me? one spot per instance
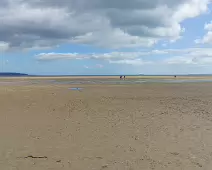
(128, 127)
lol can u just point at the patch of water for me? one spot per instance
(76, 88)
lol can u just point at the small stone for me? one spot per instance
(105, 166)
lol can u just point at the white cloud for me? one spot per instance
(131, 58)
(134, 62)
(191, 9)
(208, 26)
(60, 56)
(190, 60)
(114, 39)
(5, 62)
(39, 24)
(192, 56)
(164, 44)
(207, 38)
(99, 66)
(196, 56)
(4, 46)
(103, 56)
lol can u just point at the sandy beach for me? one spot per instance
(114, 127)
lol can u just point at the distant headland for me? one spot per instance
(8, 74)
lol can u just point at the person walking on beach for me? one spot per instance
(120, 77)
(124, 77)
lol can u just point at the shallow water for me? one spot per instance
(76, 88)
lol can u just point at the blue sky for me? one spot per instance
(106, 37)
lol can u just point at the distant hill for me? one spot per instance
(12, 74)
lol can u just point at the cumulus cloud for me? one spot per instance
(4, 46)
(200, 60)
(192, 56)
(195, 56)
(207, 38)
(34, 24)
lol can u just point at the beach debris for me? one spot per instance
(135, 137)
(174, 153)
(36, 157)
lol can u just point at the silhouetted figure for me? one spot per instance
(124, 77)
(175, 76)
(120, 77)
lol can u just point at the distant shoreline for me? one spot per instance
(96, 77)
(9, 75)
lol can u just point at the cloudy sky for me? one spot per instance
(106, 36)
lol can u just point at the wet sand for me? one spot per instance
(114, 127)
(106, 80)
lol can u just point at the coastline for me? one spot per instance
(107, 77)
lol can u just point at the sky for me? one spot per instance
(84, 37)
